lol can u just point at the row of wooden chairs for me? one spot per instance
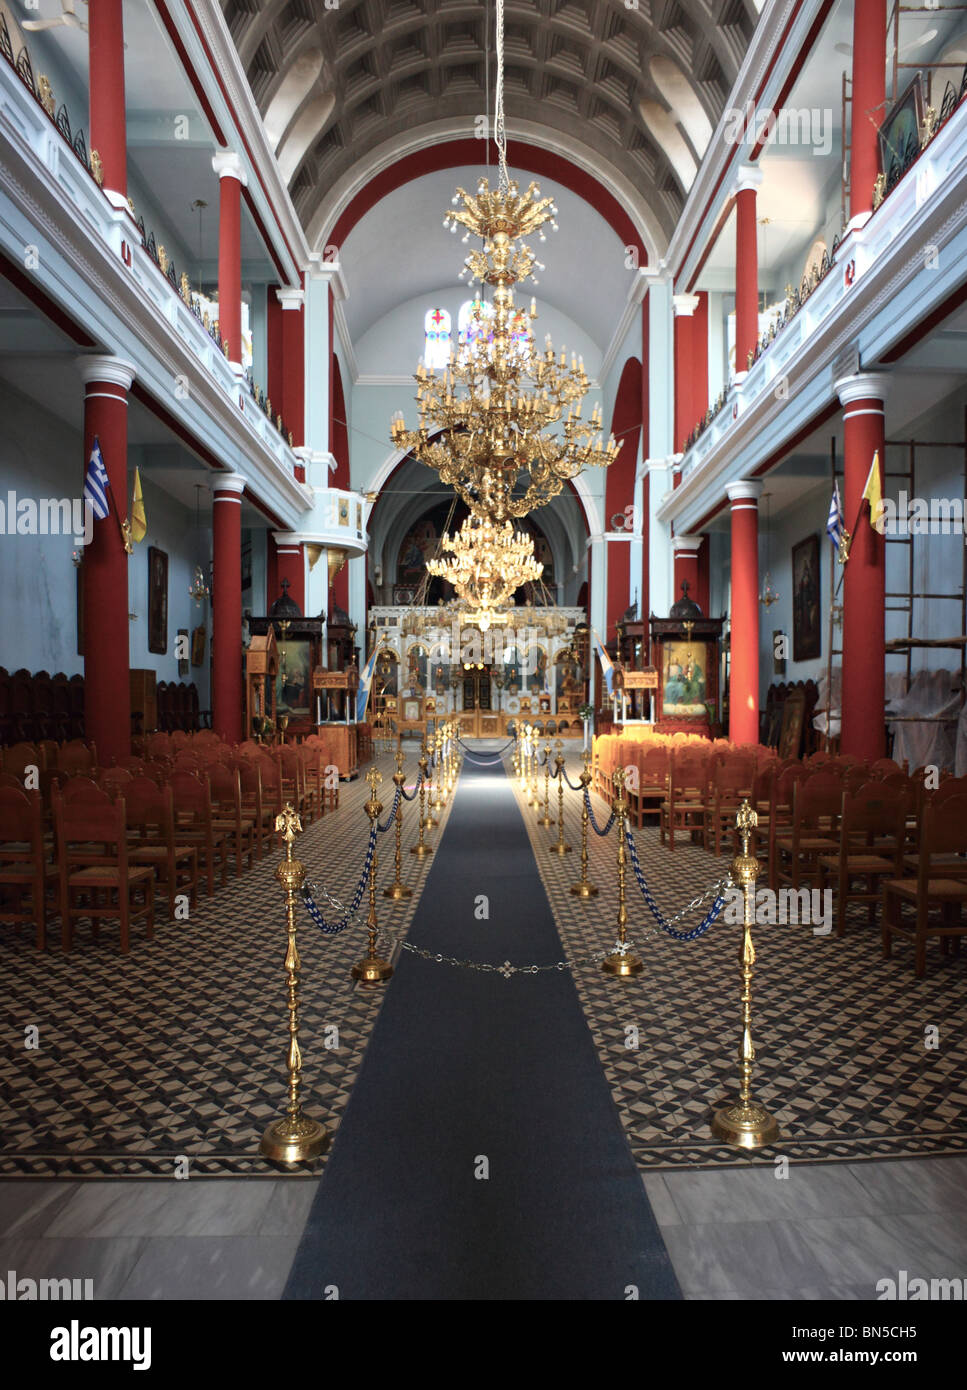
(40, 706)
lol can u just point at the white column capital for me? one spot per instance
(748, 490)
(228, 165)
(290, 298)
(684, 305)
(687, 544)
(231, 484)
(863, 386)
(747, 176)
(114, 371)
(287, 540)
(321, 269)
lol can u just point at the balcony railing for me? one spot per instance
(42, 92)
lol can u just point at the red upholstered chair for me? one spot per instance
(25, 875)
(97, 879)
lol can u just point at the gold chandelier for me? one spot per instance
(502, 424)
(489, 562)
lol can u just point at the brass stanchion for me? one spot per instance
(621, 961)
(294, 1137)
(428, 749)
(747, 1124)
(441, 800)
(372, 969)
(398, 889)
(584, 888)
(560, 848)
(546, 820)
(420, 849)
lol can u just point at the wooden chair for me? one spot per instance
(97, 879)
(113, 780)
(314, 766)
(732, 782)
(24, 870)
(817, 803)
(227, 802)
(779, 817)
(686, 806)
(943, 835)
(872, 837)
(77, 758)
(293, 778)
(152, 841)
(195, 824)
(652, 784)
(253, 807)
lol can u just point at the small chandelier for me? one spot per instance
(769, 594)
(198, 589)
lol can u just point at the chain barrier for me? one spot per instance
(575, 786)
(666, 924)
(594, 824)
(388, 824)
(416, 790)
(311, 890)
(496, 753)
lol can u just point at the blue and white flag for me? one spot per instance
(365, 681)
(96, 484)
(607, 665)
(834, 522)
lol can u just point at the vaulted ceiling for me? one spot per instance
(638, 85)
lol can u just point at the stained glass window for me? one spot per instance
(436, 327)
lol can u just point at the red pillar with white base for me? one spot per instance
(744, 654)
(231, 177)
(746, 267)
(107, 697)
(227, 491)
(864, 585)
(867, 102)
(108, 130)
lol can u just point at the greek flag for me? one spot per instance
(365, 681)
(834, 522)
(96, 484)
(607, 665)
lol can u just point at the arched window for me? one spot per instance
(436, 328)
(473, 322)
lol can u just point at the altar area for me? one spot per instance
(435, 662)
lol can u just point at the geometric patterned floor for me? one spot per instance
(838, 1031)
(177, 1051)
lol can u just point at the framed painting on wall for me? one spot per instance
(198, 646)
(157, 600)
(181, 646)
(806, 625)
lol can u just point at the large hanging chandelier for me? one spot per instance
(488, 562)
(502, 424)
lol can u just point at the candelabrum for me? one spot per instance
(560, 847)
(746, 1124)
(372, 969)
(584, 888)
(622, 960)
(420, 849)
(398, 889)
(294, 1137)
(546, 820)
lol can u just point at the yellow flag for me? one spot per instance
(873, 493)
(139, 522)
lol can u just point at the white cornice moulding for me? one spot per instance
(684, 305)
(317, 456)
(748, 176)
(687, 544)
(113, 371)
(319, 269)
(228, 482)
(228, 165)
(290, 298)
(864, 386)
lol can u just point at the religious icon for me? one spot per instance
(806, 627)
(157, 600)
(685, 686)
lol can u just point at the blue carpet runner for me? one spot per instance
(463, 1065)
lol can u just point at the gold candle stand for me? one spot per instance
(372, 970)
(584, 888)
(746, 1124)
(560, 848)
(621, 962)
(420, 849)
(546, 820)
(294, 1137)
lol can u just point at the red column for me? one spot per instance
(231, 177)
(744, 662)
(108, 129)
(685, 553)
(868, 101)
(293, 349)
(227, 491)
(290, 565)
(699, 368)
(275, 352)
(107, 699)
(864, 584)
(684, 306)
(746, 267)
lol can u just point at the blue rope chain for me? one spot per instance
(594, 824)
(656, 911)
(392, 815)
(334, 928)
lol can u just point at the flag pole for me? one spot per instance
(124, 527)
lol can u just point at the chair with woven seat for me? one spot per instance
(25, 874)
(253, 805)
(686, 806)
(77, 758)
(732, 781)
(652, 787)
(195, 824)
(226, 793)
(152, 841)
(817, 803)
(97, 878)
(779, 813)
(872, 837)
(295, 792)
(943, 837)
